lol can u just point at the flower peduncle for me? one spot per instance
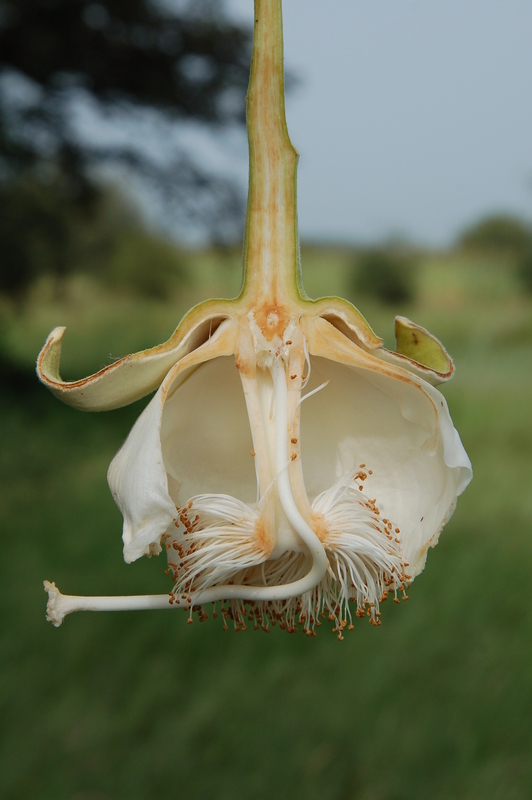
(271, 271)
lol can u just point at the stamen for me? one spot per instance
(219, 542)
(314, 391)
(365, 561)
(307, 361)
(309, 394)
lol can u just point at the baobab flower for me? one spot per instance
(289, 466)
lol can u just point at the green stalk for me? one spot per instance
(271, 271)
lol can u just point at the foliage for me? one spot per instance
(39, 229)
(503, 235)
(498, 233)
(148, 264)
(116, 61)
(43, 233)
(524, 268)
(189, 63)
(385, 274)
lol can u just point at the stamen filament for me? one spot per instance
(307, 362)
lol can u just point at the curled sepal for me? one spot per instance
(346, 318)
(419, 352)
(132, 376)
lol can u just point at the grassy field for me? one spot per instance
(436, 703)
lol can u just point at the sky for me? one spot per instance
(412, 118)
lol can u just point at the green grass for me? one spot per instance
(141, 706)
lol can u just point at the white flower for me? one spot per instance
(272, 508)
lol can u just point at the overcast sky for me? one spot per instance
(412, 117)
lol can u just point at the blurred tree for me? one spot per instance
(524, 268)
(386, 274)
(105, 238)
(499, 233)
(118, 59)
(143, 263)
(507, 236)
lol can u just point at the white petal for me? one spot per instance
(402, 432)
(206, 437)
(137, 479)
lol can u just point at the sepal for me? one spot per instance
(419, 352)
(132, 376)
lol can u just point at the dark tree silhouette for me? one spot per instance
(125, 59)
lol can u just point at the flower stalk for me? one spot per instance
(271, 244)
